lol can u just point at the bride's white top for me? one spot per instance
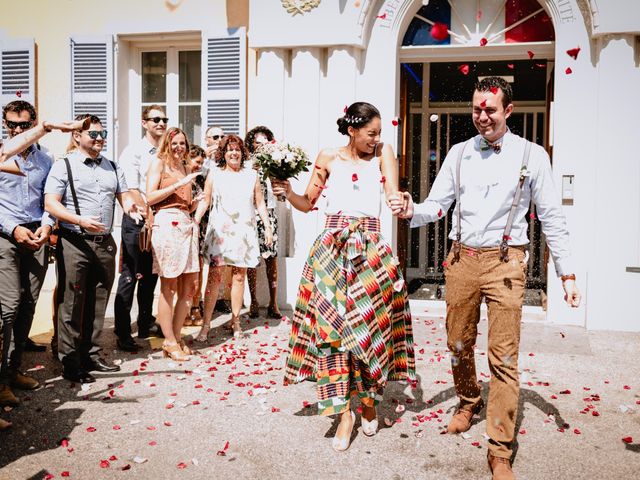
(354, 188)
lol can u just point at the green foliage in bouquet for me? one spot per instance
(281, 160)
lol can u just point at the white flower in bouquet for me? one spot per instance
(281, 161)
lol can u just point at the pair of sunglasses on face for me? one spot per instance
(158, 120)
(23, 125)
(94, 134)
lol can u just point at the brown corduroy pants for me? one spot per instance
(480, 273)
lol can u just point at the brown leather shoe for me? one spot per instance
(7, 398)
(461, 420)
(24, 382)
(500, 468)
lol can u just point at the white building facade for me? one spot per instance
(294, 64)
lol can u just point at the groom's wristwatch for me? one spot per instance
(571, 276)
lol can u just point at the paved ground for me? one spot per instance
(225, 414)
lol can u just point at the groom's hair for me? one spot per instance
(488, 83)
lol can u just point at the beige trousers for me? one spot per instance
(480, 273)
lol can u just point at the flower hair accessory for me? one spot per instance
(352, 119)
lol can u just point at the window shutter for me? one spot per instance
(224, 60)
(17, 72)
(92, 81)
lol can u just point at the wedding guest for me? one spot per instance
(136, 268)
(81, 192)
(196, 159)
(352, 324)
(254, 138)
(233, 193)
(488, 259)
(24, 251)
(174, 238)
(213, 137)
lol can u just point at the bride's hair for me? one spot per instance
(357, 116)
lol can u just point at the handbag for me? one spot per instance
(144, 237)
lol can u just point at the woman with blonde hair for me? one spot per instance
(175, 237)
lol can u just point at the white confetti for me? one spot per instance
(139, 459)
(400, 408)
(465, 435)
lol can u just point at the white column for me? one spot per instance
(266, 91)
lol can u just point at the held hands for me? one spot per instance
(91, 224)
(572, 294)
(400, 204)
(281, 187)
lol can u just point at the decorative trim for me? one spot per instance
(295, 7)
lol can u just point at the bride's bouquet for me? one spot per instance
(281, 161)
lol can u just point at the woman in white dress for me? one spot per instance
(233, 193)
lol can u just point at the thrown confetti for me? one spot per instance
(573, 52)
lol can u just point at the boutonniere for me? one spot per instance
(524, 172)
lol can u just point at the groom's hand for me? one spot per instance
(407, 206)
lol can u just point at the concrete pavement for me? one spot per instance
(159, 419)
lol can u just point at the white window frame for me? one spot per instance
(135, 86)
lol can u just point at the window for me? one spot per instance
(172, 78)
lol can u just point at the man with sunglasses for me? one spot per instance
(81, 192)
(24, 231)
(136, 264)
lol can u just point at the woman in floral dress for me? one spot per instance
(233, 193)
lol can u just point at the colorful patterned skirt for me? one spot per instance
(352, 325)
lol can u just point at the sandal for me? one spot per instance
(203, 335)
(274, 312)
(185, 348)
(237, 330)
(254, 310)
(174, 352)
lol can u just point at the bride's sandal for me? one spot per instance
(237, 330)
(185, 348)
(340, 444)
(369, 427)
(174, 352)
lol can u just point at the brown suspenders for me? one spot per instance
(504, 245)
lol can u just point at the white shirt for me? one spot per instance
(354, 189)
(488, 183)
(134, 161)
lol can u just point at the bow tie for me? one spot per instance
(485, 145)
(90, 160)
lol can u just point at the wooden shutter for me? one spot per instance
(92, 81)
(224, 82)
(17, 72)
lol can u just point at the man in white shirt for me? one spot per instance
(136, 264)
(488, 258)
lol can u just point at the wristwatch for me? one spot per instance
(570, 276)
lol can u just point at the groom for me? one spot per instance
(493, 177)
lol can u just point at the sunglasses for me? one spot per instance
(216, 137)
(23, 125)
(94, 134)
(158, 119)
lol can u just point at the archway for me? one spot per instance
(446, 46)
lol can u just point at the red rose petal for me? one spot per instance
(125, 467)
(494, 90)
(91, 429)
(577, 431)
(383, 179)
(439, 213)
(65, 473)
(483, 41)
(116, 427)
(64, 443)
(439, 31)
(532, 216)
(475, 444)
(394, 122)
(627, 387)
(568, 71)
(627, 439)
(175, 224)
(354, 177)
(104, 463)
(274, 409)
(510, 66)
(573, 52)
(19, 93)
(464, 69)
(222, 452)
(182, 465)
(483, 103)
(530, 53)
(383, 16)
(153, 443)
(48, 476)
(346, 108)
(565, 392)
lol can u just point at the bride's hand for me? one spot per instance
(281, 187)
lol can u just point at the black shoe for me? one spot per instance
(31, 346)
(153, 330)
(78, 375)
(223, 306)
(100, 365)
(127, 345)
